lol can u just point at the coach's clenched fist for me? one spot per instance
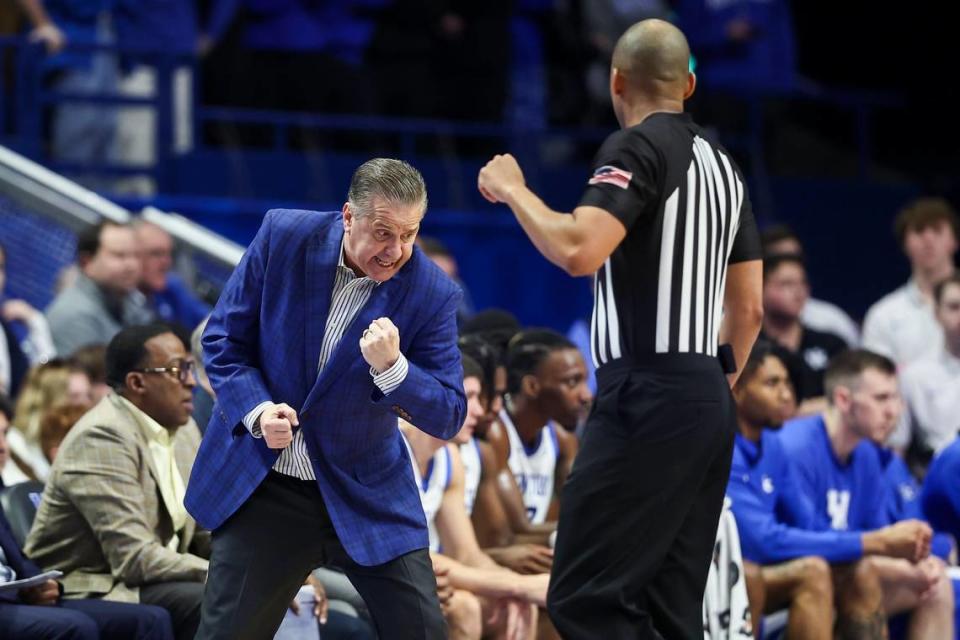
(276, 425)
(380, 344)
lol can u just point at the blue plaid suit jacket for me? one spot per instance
(263, 343)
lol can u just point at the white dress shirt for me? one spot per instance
(931, 393)
(902, 326)
(350, 294)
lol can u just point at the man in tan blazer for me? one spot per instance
(112, 515)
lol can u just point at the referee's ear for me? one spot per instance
(691, 86)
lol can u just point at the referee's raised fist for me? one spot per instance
(500, 178)
(276, 424)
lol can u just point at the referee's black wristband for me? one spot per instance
(727, 360)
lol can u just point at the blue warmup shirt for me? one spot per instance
(773, 517)
(941, 491)
(903, 498)
(847, 496)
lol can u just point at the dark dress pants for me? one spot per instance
(263, 553)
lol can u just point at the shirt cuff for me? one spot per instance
(250, 421)
(390, 379)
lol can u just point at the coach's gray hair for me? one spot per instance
(395, 181)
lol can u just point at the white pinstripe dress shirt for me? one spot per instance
(350, 294)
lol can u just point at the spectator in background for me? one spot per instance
(604, 22)
(112, 516)
(441, 256)
(817, 314)
(80, 133)
(10, 473)
(55, 425)
(838, 472)
(39, 613)
(785, 293)
(104, 298)
(902, 325)
(155, 26)
(167, 294)
(25, 338)
(401, 54)
(288, 47)
(92, 360)
(931, 385)
(741, 44)
(53, 384)
(203, 395)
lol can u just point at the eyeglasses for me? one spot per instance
(181, 369)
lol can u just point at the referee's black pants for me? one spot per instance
(639, 511)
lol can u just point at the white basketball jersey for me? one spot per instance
(472, 469)
(533, 468)
(432, 486)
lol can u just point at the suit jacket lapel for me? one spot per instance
(142, 444)
(323, 253)
(184, 454)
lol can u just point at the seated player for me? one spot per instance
(838, 471)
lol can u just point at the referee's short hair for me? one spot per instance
(922, 213)
(846, 367)
(527, 351)
(941, 286)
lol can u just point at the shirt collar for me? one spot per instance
(950, 362)
(152, 430)
(342, 264)
(914, 295)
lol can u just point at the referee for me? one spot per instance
(665, 225)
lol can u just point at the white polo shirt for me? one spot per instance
(931, 394)
(902, 326)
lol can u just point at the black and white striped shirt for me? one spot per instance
(349, 295)
(684, 204)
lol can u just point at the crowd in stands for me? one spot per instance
(843, 505)
(529, 63)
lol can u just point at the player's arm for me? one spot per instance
(578, 243)
(453, 525)
(509, 494)
(568, 446)
(516, 510)
(489, 519)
